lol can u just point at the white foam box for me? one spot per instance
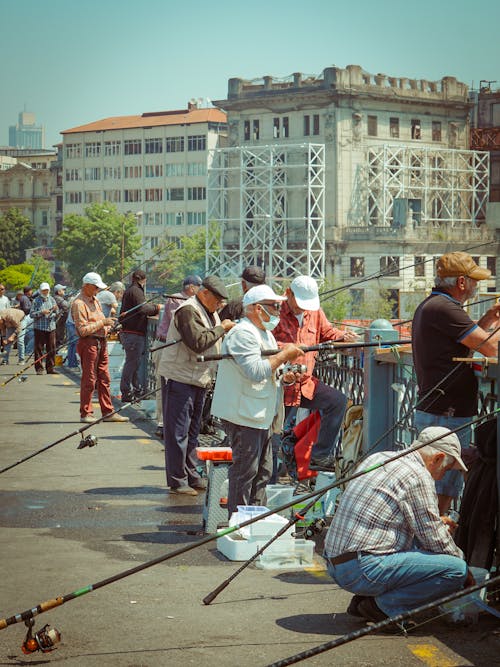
(236, 548)
(263, 529)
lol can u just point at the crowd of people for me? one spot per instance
(390, 542)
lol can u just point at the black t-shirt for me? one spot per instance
(233, 310)
(439, 324)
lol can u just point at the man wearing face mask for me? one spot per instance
(442, 330)
(246, 393)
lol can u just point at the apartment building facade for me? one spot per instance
(153, 165)
(372, 172)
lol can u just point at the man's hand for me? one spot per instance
(109, 321)
(291, 351)
(350, 336)
(450, 524)
(227, 325)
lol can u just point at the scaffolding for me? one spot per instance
(266, 206)
(425, 187)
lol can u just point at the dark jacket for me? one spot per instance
(136, 321)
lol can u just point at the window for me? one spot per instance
(196, 169)
(45, 189)
(153, 170)
(45, 218)
(154, 242)
(5, 189)
(73, 150)
(92, 196)
(175, 169)
(307, 126)
(132, 172)
(280, 127)
(175, 194)
(153, 145)
(491, 264)
(394, 128)
(132, 147)
(256, 129)
(170, 218)
(316, 124)
(251, 130)
(93, 149)
(174, 145)
(357, 267)
(20, 188)
(416, 132)
(112, 147)
(419, 267)
(197, 142)
(112, 196)
(112, 173)
(197, 193)
(153, 218)
(73, 174)
(153, 194)
(73, 197)
(393, 298)
(389, 265)
(132, 195)
(92, 173)
(246, 130)
(197, 218)
(372, 126)
(436, 130)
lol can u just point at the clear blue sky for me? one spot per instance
(73, 62)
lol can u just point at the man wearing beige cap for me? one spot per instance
(442, 331)
(387, 543)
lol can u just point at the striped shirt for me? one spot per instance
(87, 316)
(391, 509)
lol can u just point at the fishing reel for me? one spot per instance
(44, 640)
(314, 528)
(88, 441)
(22, 378)
(292, 368)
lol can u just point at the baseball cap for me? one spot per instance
(58, 287)
(254, 275)
(44, 286)
(93, 278)
(215, 285)
(448, 443)
(460, 264)
(192, 280)
(305, 291)
(261, 293)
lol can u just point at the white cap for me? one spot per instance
(305, 291)
(93, 279)
(261, 293)
(448, 443)
(43, 286)
(59, 288)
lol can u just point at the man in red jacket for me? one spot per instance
(303, 322)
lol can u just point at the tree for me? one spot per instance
(17, 233)
(337, 304)
(102, 240)
(16, 276)
(375, 304)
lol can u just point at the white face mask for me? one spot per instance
(273, 320)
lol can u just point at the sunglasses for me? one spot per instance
(276, 305)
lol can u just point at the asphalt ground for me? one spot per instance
(70, 518)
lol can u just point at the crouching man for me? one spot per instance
(387, 542)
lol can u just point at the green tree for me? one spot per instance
(17, 233)
(16, 276)
(375, 304)
(102, 240)
(337, 304)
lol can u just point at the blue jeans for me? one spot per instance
(26, 339)
(71, 339)
(453, 480)
(132, 380)
(401, 581)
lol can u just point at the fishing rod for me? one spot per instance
(28, 615)
(369, 629)
(328, 345)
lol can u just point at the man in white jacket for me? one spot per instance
(245, 396)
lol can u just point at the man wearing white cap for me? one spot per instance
(387, 543)
(44, 312)
(92, 328)
(245, 395)
(303, 322)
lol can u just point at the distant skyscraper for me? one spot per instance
(26, 134)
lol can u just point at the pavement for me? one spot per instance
(70, 518)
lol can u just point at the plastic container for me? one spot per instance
(279, 494)
(329, 499)
(463, 610)
(263, 529)
(300, 555)
(214, 453)
(236, 548)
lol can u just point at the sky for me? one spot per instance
(72, 62)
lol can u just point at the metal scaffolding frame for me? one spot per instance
(437, 187)
(266, 206)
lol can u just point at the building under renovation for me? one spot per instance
(348, 175)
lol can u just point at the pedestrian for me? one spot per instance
(190, 286)
(197, 327)
(60, 299)
(26, 339)
(133, 336)
(387, 543)
(251, 276)
(92, 328)
(246, 395)
(111, 299)
(11, 326)
(442, 331)
(71, 340)
(303, 322)
(4, 299)
(44, 311)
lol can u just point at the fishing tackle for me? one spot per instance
(88, 441)
(44, 640)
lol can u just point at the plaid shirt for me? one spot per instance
(40, 321)
(315, 329)
(387, 509)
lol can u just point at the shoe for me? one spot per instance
(352, 609)
(159, 432)
(88, 419)
(39, 372)
(326, 463)
(126, 398)
(369, 610)
(5, 362)
(116, 418)
(21, 362)
(52, 372)
(199, 485)
(183, 491)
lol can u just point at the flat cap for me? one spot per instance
(215, 285)
(254, 275)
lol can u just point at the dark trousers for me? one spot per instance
(132, 381)
(45, 342)
(182, 410)
(332, 404)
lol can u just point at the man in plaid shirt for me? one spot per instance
(44, 314)
(387, 542)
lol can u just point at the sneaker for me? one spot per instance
(352, 609)
(88, 419)
(21, 362)
(200, 485)
(326, 463)
(159, 432)
(183, 491)
(39, 371)
(369, 610)
(115, 418)
(52, 372)
(5, 362)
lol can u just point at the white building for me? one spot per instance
(349, 174)
(153, 165)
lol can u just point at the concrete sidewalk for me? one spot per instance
(70, 518)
